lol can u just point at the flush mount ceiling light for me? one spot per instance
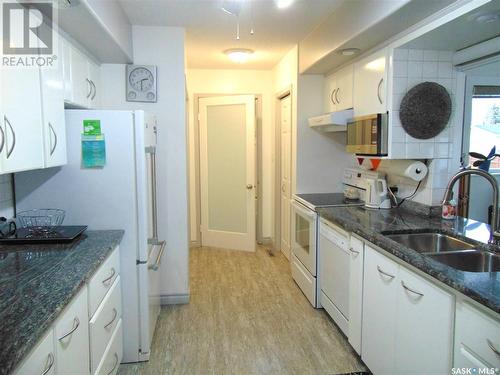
(283, 3)
(239, 55)
(486, 16)
(349, 51)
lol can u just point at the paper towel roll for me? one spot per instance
(414, 169)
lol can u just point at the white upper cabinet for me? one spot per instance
(80, 83)
(21, 120)
(94, 76)
(82, 79)
(370, 82)
(52, 85)
(339, 89)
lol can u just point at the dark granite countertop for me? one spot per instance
(483, 287)
(37, 282)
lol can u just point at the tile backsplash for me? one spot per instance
(411, 67)
(6, 196)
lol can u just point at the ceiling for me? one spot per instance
(210, 31)
(462, 32)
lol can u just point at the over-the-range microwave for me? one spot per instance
(367, 135)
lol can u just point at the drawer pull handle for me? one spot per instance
(53, 148)
(385, 273)
(49, 364)
(114, 366)
(353, 251)
(76, 324)
(112, 320)
(107, 280)
(9, 150)
(411, 290)
(492, 347)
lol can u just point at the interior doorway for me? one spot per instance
(481, 133)
(283, 172)
(227, 126)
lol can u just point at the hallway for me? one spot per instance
(246, 316)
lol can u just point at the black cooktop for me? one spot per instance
(328, 200)
(60, 234)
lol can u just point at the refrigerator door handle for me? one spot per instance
(157, 263)
(152, 151)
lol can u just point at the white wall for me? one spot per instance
(163, 47)
(6, 199)
(219, 81)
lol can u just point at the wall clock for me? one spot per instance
(141, 83)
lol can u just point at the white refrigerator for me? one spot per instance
(120, 195)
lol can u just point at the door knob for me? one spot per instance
(249, 186)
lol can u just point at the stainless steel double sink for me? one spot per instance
(449, 250)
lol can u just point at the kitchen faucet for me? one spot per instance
(448, 195)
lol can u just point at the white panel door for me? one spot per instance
(345, 83)
(54, 128)
(379, 312)
(286, 156)
(227, 171)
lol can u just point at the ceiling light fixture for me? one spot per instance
(486, 16)
(239, 55)
(283, 3)
(349, 51)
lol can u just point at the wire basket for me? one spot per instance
(40, 218)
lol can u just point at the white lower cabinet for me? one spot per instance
(103, 324)
(356, 263)
(42, 359)
(407, 320)
(477, 338)
(379, 312)
(113, 354)
(424, 329)
(72, 338)
(77, 344)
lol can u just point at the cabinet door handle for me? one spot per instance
(3, 139)
(55, 139)
(336, 96)
(354, 251)
(89, 88)
(76, 324)
(379, 95)
(114, 366)
(9, 151)
(112, 320)
(49, 364)
(94, 90)
(411, 290)
(492, 347)
(108, 279)
(331, 97)
(385, 273)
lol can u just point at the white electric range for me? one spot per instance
(304, 241)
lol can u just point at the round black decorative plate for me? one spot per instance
(425, 110)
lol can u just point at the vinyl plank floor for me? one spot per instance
(245, 316)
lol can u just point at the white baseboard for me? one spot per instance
(195, 243)
(174, 299)
(266, 241)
